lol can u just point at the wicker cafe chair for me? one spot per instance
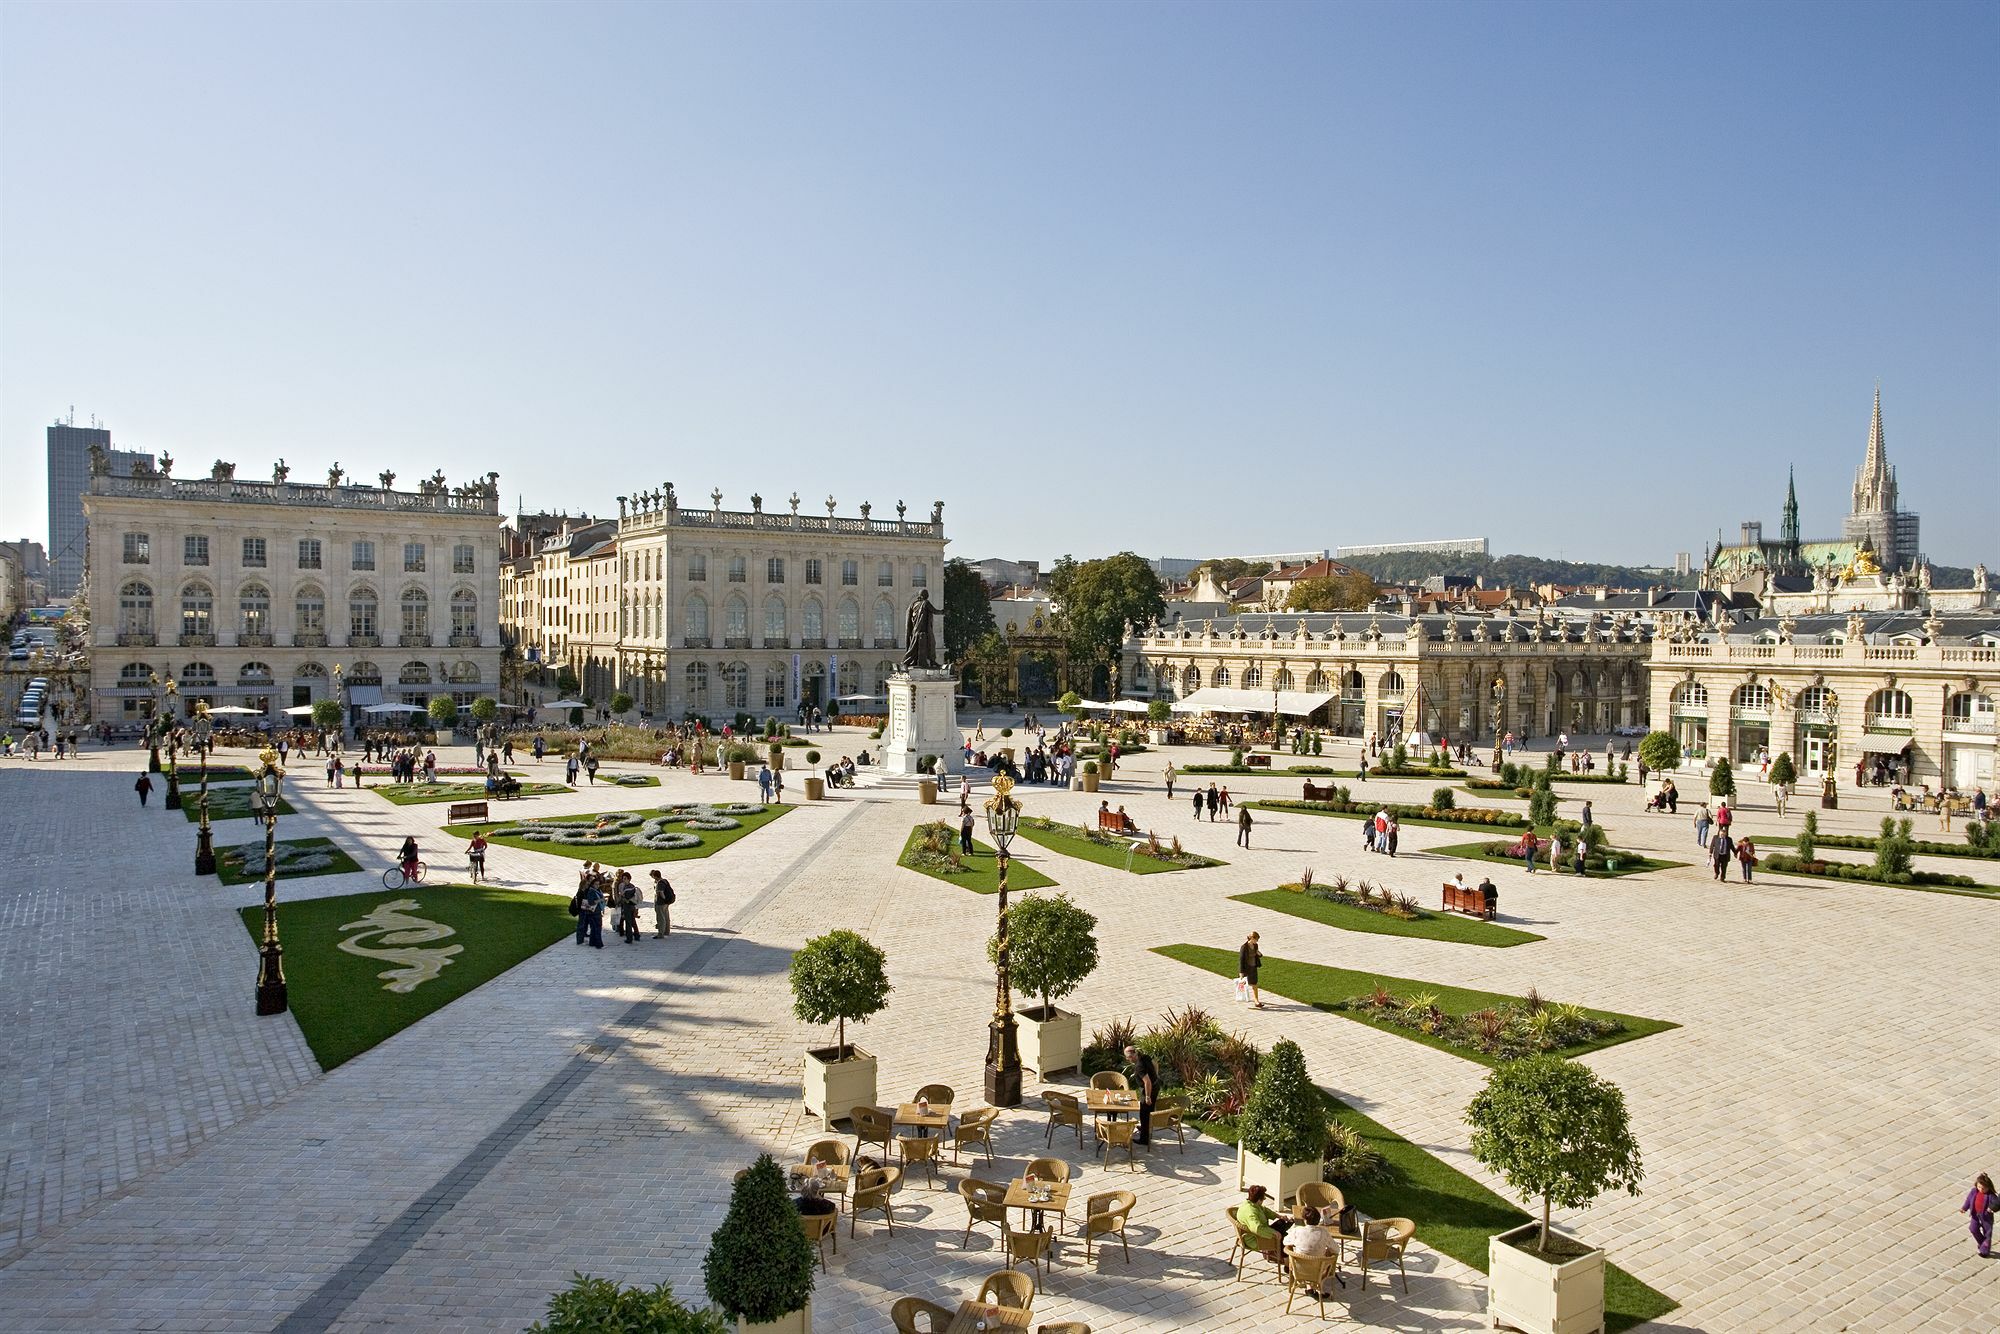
(975, 1128)
(871, 1191)
(1112, 1135)
(1247, 1243)
(1031, 1247)
(1170, 1114)
(1065, 1109)
(1104, 1216)
(920, 1149)
(940, 1094)
(872, 1125)
(1383, 1240)
(1110, 1079)
(818, 1227)
(1308, 1272)
(985, 1202)
(908, 1311)
(1064, 1327)
(1049, 1169)
(1008, 1287)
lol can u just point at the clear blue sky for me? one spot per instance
(1188, 279)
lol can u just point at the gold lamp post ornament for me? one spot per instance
(1499, 716)
(173, 802)
(204, 842)
(271, 997)
(1003, 1052)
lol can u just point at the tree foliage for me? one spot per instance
(1659, 750)
(1095, 598)
(443, 711)
(1051, 947)
(1722, 778)
(1807, 843)
(1284, 1119)
(1412, 567)
(759, 1265)
(621, 703)
(1225, 568)
(1556, 1132)
(1783, 771)
(837, 977)
(968, 610)
(566, 683)
(484, 709)
(326, 714)
(1341, 592)
(595, 1305)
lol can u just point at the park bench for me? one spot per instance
(1257, 761)
(465, 810)
(1468, 899)
(1320, 793)
(1116, 822)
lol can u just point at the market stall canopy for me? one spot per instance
(216, 710)
(1127, 705)
(1228, 699)
(567, 704)
(300, 711)
(1874, 744)
(394, 708)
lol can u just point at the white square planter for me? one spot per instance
(798, 1322)
(1281, 1179)
(1051, 1044)
(1526, 1292)
(835, 1088)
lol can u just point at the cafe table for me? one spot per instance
(1112, 1102)
(923, 1119)
(970, 1314)
(832, 1176)
(1020, 1196)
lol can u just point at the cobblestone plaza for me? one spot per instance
(172, 1162)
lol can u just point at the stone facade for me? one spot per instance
(253, 593)
(1836, 690)
(720, 612)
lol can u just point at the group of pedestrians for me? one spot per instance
(1213, 799)
(1712, 832)
(599, 892)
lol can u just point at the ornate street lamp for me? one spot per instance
(153, 723)
(173, 802)
(271, 997)
(1499, 708)
(204, 844)
(1003, 1052)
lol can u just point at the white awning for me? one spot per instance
(1227, 699)
(1875, 743)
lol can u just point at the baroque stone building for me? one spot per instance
(716, 612)
(275, 594)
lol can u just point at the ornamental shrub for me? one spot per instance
(1443, 799)
(837, 977)
(1894, 849)
(591, 1305)
(1555, 1130)
(1399, 757)
(759, 1265)
(1090, 766)
(1659, 750)
(1542, 802)
(1807, 835)
(1285, 1119)
(1236, 759)
(326, 714)
(812, 757)
(1005, 732)
(1158, 711)
(484, 709)
(621, 703)
(1051, 947)
(1783, 771)
(1722, 779)
(443, 711)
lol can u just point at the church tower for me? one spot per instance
(1789, 534)
(1875, 518)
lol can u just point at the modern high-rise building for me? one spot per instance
(69, 478)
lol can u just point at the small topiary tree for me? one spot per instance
(1808, 840)
(837, 977)
(1659, 750)
(812, 757)
(1443, 799)
(443, 711)
(484, 710)
(1090, 766)
(759, 1265)
(1006, 731)
(1894, 850)
(1158, 711)
(1051, 947)
(1399, 757)
(1783, 771)
(326, 714)
(1071, 703)
(1554, 1130)
(621, 703)
(592, 1305)
(1722, 779)
(1554, 763)
(1542, 800)
(1284, 1120)
(566, 682)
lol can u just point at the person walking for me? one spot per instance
(1394, 832)
(1723, 815)
(144, 787)
(1197, 803)
(1746, 857)
(965, 831)
(1780, 793)
(589, 768)
(1702, 823)
(1719, 850)
(1529, 846)
(1249, 958)
(1243, 827)
(1146, 1077)
(764, 783)
(1585, 815)
(590, 920)
(569, 770)
(1214, 802)
(628, 908)
(1170, 780)
(475, 852)
(663, 904)
(1224, 797)
(1979, 1203)
(778, 786)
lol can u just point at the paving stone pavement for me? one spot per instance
(1808, 1130)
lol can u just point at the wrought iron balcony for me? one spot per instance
(812, 643)
(464, 639)
(253, 639)
(736, 641)
(137, 639)
(309, 639)
(885, 643)
(694, 641)
(364, 641)
(776, 641)
(197, 641)
(851, 643)
(413, 641)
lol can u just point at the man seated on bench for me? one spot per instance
(1489, 896)
(502, 785)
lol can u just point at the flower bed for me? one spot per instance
(224, 803)
(419, 794)
(1372, 909)
(1108, 849)
(1324, 769)
(1503, 1032)
(1475, 817)
(933, 850)
(296, 858)
(1413, 771)
(621, 838)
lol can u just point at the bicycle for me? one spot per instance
(396, 878)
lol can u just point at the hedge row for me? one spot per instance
(1472, 816)
(1924, 849)
(1789, 865)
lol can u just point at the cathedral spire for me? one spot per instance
(1875, 484)
(1790, 533)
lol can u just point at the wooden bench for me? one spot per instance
(465, 810)
(1321, 793)
(1470, 900)
(1257, 761)
(1116, 823)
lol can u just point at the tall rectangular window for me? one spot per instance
(814, 570)
(739, 570)
(461, 558)
(309, 558)
(194, 550)
(850, 573)
(138, 549)
(885, 574)
(253, 553)
(774, 570)
(919, 576)
(413, 558)
(362, 556)
(697, 569)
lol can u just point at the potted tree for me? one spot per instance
(815, 785)
(759, 1268)
(1555, 1130)
(1784, 772)
(1158, 714)
(1722, 779)
(1089, 772)
(1281, 1140)
(443, 712)
(837, 977)
(1052, 947)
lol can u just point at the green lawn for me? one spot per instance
(1348, 917)
(217, 773)
(1499, 830)
(607, 779)
(982, 869)
(1456, 1214)
(224, 803)
(471, 789)
(298, 858)
(1071, 841)
(1629, 863)
(1327, 988)
(623, 854)
(341, 999)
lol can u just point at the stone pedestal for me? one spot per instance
(923, 720)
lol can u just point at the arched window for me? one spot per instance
(1816, 702)
(414, 674)
(1352, 687)
(134, 675)
(1691, 695)
(363, 614)
(309, 671)
(813, 622)
(776, 685)
(1316, 682)
(1253, 677)
(697, 679)
(309, 610)
(1190, 679)
(850, 622)
(253, 610)
(1220, 677)
(1969, 711)
(695, 628)
(197, 674)
(254, 674)
(1754, 697)
(135, 608)
(464, 673)
(885, 623)
(1283, 680)
(197, 609)
(464, 614)
(1392, 687)
(736, 686)
(364, 673)
(850, 678)
(774, 620)
(416, 613)
(736, 621)
(1891, 708)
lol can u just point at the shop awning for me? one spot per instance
(1228, 699)
(1877, 743)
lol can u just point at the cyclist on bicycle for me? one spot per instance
(408, 858)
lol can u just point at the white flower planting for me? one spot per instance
(292, 858)
(639, 831)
